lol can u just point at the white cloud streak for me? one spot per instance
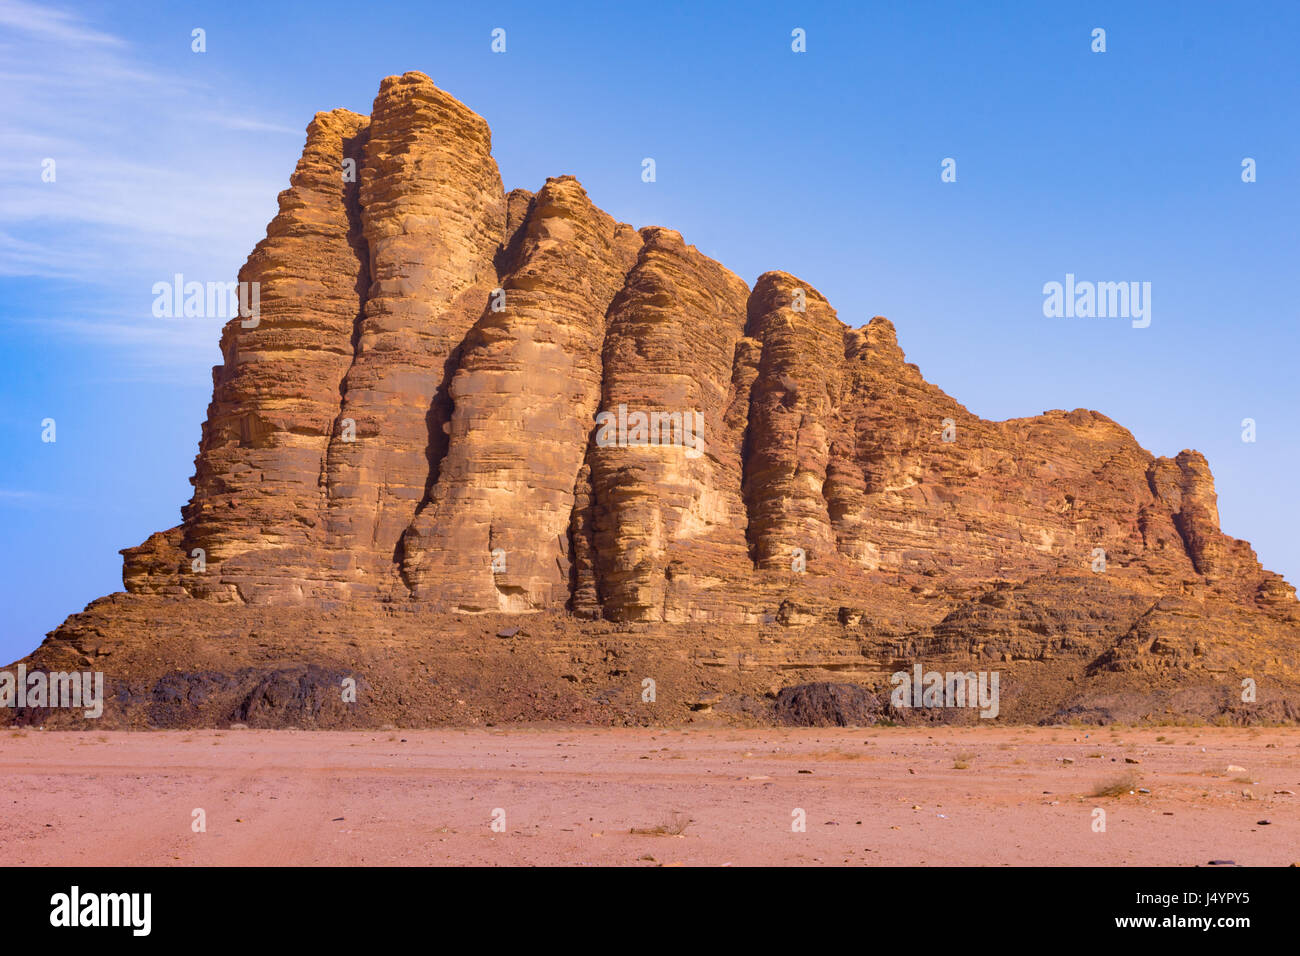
(154, 174)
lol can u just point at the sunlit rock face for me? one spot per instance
(457, 400)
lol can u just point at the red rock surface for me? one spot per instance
(830, 512)
(525, 391)
(668, 518)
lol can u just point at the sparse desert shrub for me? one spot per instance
(673, 824)
(1117, 786)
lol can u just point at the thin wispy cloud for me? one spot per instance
(18, 257)
(45, 21)
(153, 333)
(230, 121)
(153, 174)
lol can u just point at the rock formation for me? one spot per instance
(457, 403)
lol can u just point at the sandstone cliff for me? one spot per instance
(458, 402)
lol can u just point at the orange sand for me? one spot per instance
(879, 797)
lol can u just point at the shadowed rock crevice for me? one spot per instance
(433, 211)
(526, 385)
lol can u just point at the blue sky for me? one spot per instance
(1115, 166)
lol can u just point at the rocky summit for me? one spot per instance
(488, 456)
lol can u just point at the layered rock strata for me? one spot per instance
(455, 400)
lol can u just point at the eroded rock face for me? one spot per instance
(494, 535)
(800, 468)
(829, 705)
(256, 520)
(433, 214)
(664, 463)
(461, 401)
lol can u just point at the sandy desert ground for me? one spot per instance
(876, 797)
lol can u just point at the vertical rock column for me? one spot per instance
(792, 403)
(433, 214)
(257, 507)
(1186, 487)
(665, 469)
(523, 398)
